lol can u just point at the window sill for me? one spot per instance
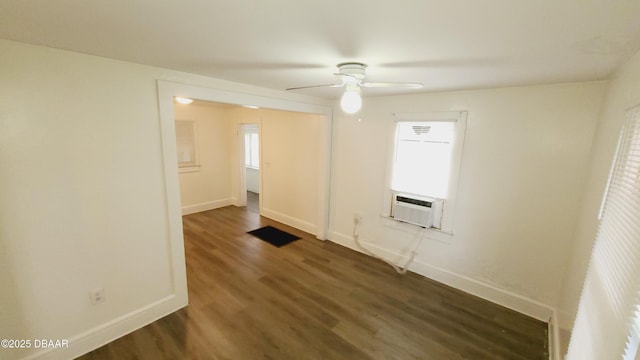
(431, 233)
(188, 169)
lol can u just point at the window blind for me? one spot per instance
(605, 326)
(423, 158)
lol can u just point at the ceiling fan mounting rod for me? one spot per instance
(352, 64)
(355, 70)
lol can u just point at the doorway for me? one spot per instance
(167, 90)
(251, 139)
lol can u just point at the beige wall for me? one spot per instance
(208, 187)
(290, 149)
(623, 93)
(523, 167)
(253, 180)
(290, 166)
(290, 174)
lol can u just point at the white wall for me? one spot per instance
(525, 157)
(82, 192)
(623, 93)
(84, 203)
(210, 186)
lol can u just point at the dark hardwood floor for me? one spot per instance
(316, 300)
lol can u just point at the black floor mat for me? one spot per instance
(273, 236)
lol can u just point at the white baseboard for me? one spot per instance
(210, 205)
(289, 220)
(469, 285)
(105, 333)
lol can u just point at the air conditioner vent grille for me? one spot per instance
(421, 129)
(413, 201)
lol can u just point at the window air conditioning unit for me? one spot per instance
(418, 210)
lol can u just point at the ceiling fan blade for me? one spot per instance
(315, 86)
(405, 85)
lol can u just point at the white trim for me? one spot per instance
(196, 153)
(107, 332)
(446, 116)
(189, 169)
(472, 286)
(172, 192)
(230, 97)
(209, 205)
(554, 337)
(240, 165)
(289, 220)
(324, 174)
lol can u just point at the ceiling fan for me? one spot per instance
(352, 75)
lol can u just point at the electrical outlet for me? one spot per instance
(96, 295)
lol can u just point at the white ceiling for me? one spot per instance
(446, 44)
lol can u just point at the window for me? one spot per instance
(186, 144)
(423, 158)
(251, 148)
(606, 325)
(427, 156)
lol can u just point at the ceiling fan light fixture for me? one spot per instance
(351, 101)
(352, 76)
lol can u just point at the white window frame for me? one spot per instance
(187, 137)
(460, 118)
(249, 146)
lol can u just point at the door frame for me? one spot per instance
(167, 90)
(242, 173)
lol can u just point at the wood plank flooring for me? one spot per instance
(316, 300)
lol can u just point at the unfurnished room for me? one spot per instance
(320, 180)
